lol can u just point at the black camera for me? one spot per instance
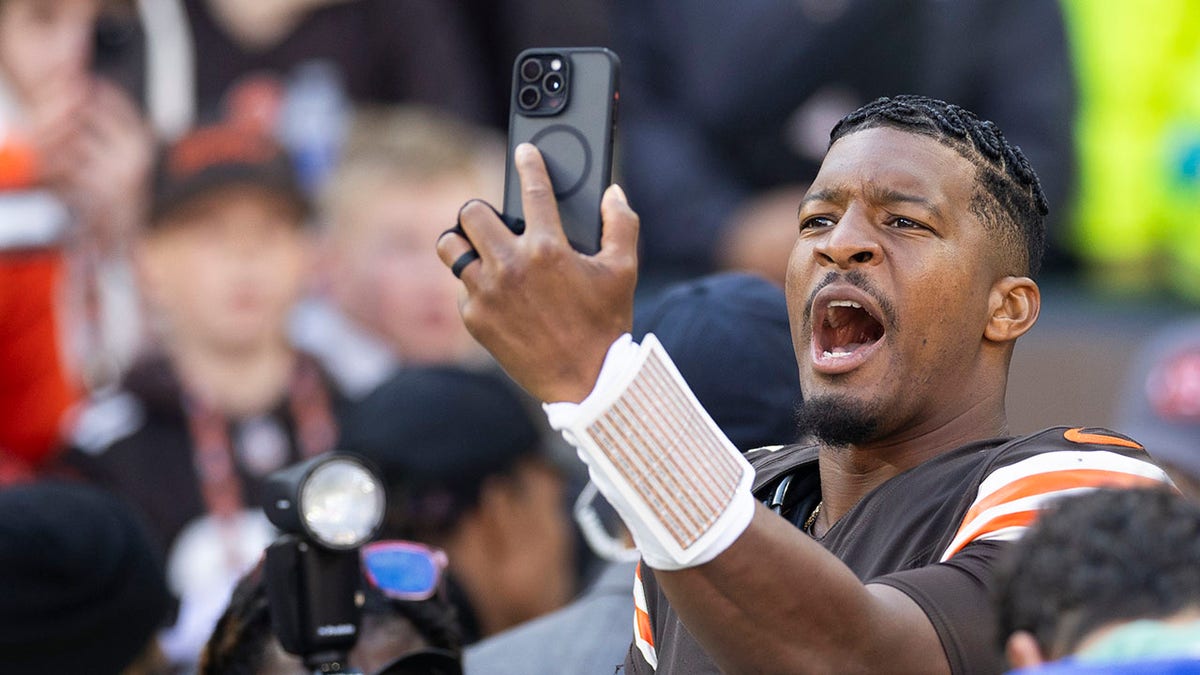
(327, 507)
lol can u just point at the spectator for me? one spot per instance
(83, 585)
(401, 181)
(1161, 403)
(466, 471)
(243, 644)
(751, 391)
(727, 106)
(74, 159)
(1106, 582)
(402, 51)
(195, 427)
(907, 289)
(294, 68)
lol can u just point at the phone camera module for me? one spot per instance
(531, 70)
(529, 97)
(553, 83)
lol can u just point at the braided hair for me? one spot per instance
(1008, 198)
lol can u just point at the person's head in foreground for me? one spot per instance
(1105, 577)
(466, 470)
(909, 308)
(84, 589)
(749, 387)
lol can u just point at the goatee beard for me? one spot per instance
(835, 420)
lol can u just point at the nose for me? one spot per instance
(851, 242)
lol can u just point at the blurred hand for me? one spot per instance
(110, 186)
(761, 234)
(96, 153)
(56, 110)
(546, 312)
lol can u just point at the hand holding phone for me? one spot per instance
(564, 101)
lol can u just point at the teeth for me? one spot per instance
(836, 355)
(845, 303)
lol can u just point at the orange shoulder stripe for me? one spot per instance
(1053, 481)
(641, 616)
(1016, 519)
(643, 626)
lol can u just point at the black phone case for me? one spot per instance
(576, 142)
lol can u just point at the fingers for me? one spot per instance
(619, 236)
(115, 104)
(537, 194)
(455, 252)
(484, 230)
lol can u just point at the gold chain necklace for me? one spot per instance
(812, 518)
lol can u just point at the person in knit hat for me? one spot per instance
(84, 590)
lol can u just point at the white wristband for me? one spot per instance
(679, 484)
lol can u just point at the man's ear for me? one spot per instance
(1013, 307)
(1022, 650)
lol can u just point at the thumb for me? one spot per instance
(618, 238)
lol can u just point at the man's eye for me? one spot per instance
(905, 223)
(816, 221)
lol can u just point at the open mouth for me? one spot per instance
(845, 328)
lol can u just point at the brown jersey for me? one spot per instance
(934, 532)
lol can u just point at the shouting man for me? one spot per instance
(871, 545)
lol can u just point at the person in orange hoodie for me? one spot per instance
(74, 160)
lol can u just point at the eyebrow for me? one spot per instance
(875, 193)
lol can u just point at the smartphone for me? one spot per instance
(564, 101)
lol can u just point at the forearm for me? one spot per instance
(757, 593)
(776, 601)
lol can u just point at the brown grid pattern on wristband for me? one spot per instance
(665, 448)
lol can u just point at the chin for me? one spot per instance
(243, 337)
(837, 419)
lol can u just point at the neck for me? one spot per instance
(849, 473)
(237, 382)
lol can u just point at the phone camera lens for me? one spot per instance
(529, 97)
(531, 70)
(553, 83)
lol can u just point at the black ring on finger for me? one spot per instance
(463, 260)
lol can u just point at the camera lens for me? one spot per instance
(553, 83)
(531, 70)
(529, 97)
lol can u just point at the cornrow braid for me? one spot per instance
(1011, 198)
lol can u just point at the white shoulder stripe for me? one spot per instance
(970, 530)
(1004, 534)
(639, 595)
(1066, 460)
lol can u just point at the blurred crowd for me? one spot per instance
(217, 227)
